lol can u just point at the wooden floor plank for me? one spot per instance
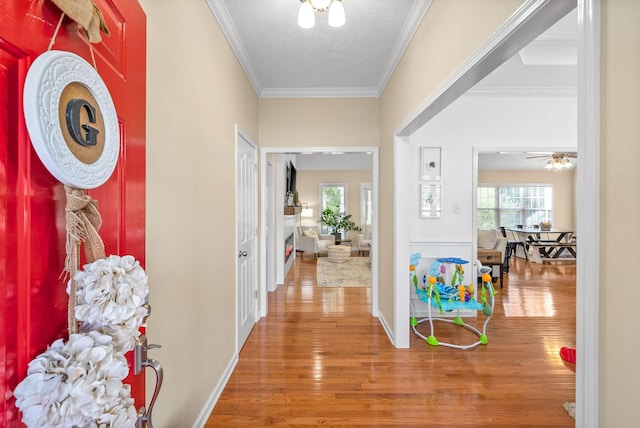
(320, 359)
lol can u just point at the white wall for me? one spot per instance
(475, 121)
(449, 33)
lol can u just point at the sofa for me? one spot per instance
(310, 240)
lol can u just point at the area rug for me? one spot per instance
(355, 272)
(571, 409)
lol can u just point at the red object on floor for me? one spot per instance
(568, 354)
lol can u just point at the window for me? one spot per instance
(508, 206)
(366, 203)
(331, 196)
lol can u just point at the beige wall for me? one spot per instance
(449, 33)
(564, 190)
(620, 205)
(308, 183)
(319, 122)
(196, 92)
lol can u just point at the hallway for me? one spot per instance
(320, 359)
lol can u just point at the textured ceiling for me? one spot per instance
(282, 59)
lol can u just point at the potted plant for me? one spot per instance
(337, 222)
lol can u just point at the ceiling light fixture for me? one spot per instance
(306, 14)
(558, 163)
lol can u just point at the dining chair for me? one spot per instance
(514, 241)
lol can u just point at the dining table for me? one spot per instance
(531, 234)
(550, 244)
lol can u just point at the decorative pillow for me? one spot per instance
(487, 238)
(310, 232)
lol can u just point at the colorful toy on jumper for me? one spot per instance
(443, 288)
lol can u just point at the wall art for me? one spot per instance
(430, 202)
(430, 168)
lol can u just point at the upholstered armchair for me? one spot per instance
(364, 240)
(310, 240)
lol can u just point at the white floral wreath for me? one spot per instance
(79, 383)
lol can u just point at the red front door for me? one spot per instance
(33, 303)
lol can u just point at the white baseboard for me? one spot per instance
(215, 394)
(387, 329)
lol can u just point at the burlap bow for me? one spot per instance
(87, 15)
(83, 223)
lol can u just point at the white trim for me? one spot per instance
(588, 207)
(455, 244)
(221, 14)
(531, 18)
(419, 9)
(373, 254)
(204, 414)
(387, 328)
(230, 31)
(375, 166)
(401, 294)
(588, 272)
(364, 92)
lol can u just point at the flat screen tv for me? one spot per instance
(291, 178)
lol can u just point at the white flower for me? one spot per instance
(110, 298)
(77, 384)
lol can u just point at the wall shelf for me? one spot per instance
(292, 210)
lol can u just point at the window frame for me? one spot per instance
(366, 204)
(321, 202)
(523, 208)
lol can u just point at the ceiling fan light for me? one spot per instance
(306, 16)
(549, 164)
(336, 14)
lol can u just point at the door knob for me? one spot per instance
(242, 254)
(140, 362)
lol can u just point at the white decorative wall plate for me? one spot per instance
(71, 119)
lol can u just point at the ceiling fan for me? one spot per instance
(557, 161)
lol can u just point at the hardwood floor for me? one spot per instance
(320, 359)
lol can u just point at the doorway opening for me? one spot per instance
(277, 224)
(530, 20)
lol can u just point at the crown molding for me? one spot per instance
(409, 28)
(319, 93)
(230, 31)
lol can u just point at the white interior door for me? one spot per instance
(247, 234)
